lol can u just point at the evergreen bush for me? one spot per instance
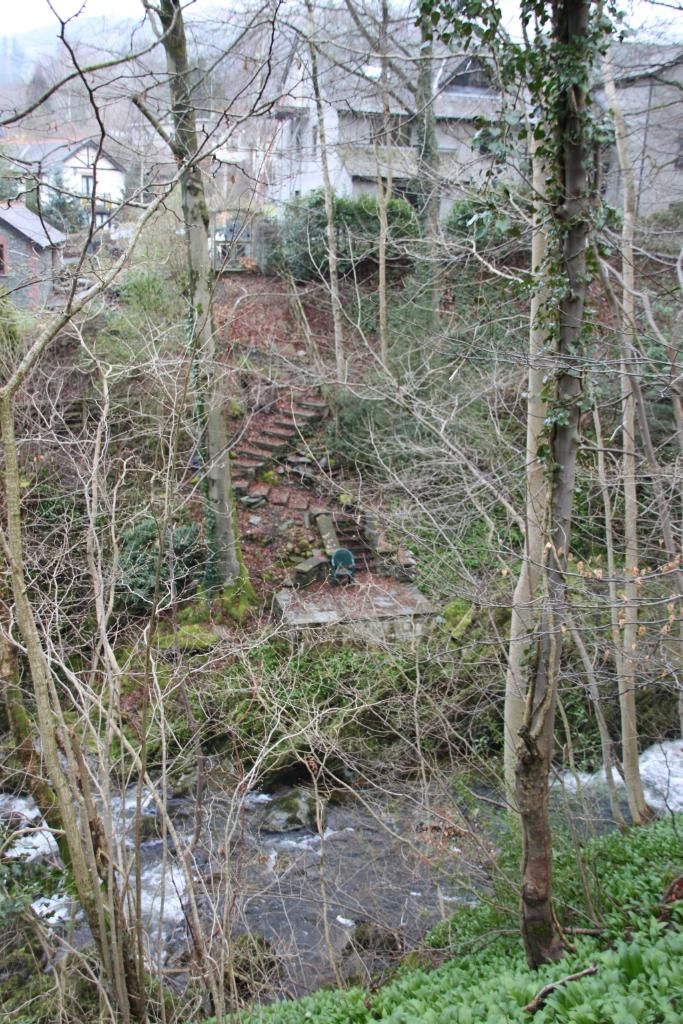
(63, 210)
(150, 293)
(302, 251)
(487, 220)
(142, 560)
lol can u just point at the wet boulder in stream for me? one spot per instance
(293, 811)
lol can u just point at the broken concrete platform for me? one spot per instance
(380, 606)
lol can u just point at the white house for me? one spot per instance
(82, 169)
(363, 146)
(468, 107)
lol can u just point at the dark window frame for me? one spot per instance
(678, 162)
(472, 75)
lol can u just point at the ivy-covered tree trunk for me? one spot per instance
(226, 568)
(565, 101)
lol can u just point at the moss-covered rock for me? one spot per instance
(293, 811)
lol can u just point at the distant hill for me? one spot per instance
(21, 52)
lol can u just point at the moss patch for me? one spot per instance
(189, 637)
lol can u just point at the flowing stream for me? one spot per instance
(337, 888)
(661, 772)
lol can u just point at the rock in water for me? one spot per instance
(292, 812)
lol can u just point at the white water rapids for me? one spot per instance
(392, 863)
(661, 771)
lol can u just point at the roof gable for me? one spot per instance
(472, 74)
(28, 224)
(83, 148)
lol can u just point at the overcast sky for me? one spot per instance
(23, 15)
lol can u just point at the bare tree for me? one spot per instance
(229, 572)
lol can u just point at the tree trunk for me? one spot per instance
(226, 568)
(384, 186)
(540, 930)
(337, 313)
(61, 800)
(426, 185)
(629, 625)
(524, 608)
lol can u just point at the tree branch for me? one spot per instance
(543, 993)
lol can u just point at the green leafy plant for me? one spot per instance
(176, 562)
(487, 220)
(150, 293)
(302, 251)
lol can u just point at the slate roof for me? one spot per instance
(640, 60)
(54, 152)
(451, 105)
(31, 226)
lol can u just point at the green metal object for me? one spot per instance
(342, 566)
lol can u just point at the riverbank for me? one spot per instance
(629, 971)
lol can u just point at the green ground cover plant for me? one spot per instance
(638, 957)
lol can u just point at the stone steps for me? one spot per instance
(350, 535)
(302, 415)
(315, 405)
(246, 467)
(281, 420)
(271, 437)
(248, 451)
(268, 445)
(280, 433)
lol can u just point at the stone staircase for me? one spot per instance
(350, 534)
(272, 433)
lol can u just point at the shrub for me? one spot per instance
(303, 243)
(65, 211)
(487, 220)
(142, 560)
(148, 292)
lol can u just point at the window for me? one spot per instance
(396, 130)
(404, 191)
(3, 260)
(472, 75)
(87, 184)
(314, 139)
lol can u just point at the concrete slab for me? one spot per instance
(370, 599)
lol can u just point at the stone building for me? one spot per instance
(649, 79)
(30, 256)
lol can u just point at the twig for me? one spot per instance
(541, 996)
